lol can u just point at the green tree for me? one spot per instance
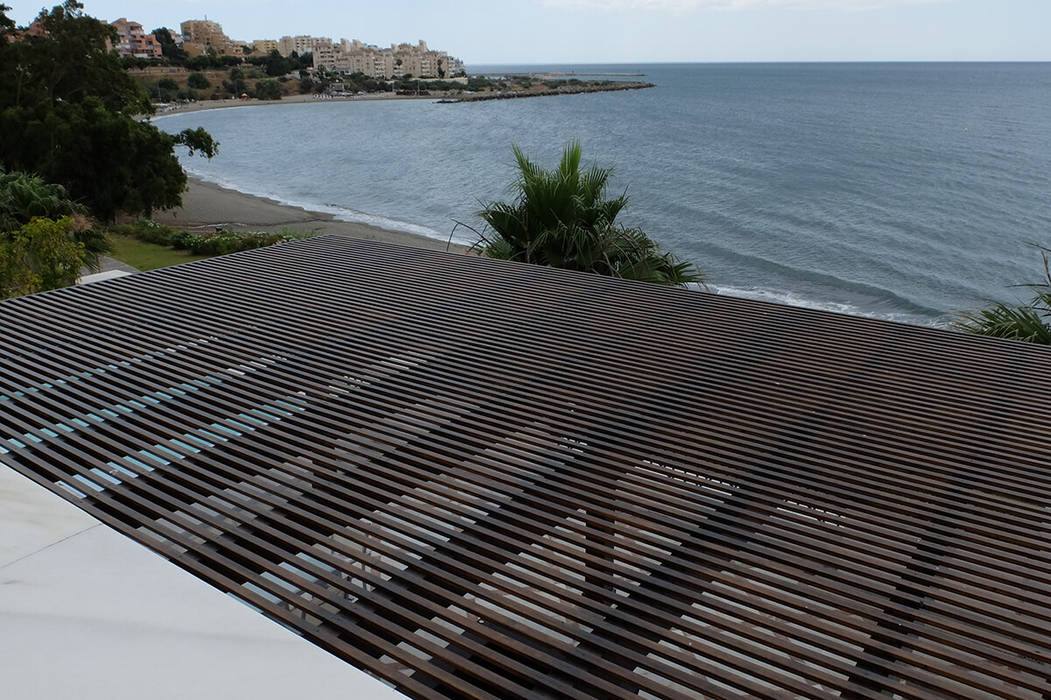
(24, 197)
(69, 112)
(197, 81)
(268, 90)
(169, 49)
(236, 84)
(39, 256)
(274, 64)
(561, 218)
(203, 62)
(1027, 322)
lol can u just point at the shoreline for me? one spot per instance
(208, 205)
(204, 105)
(443, 97)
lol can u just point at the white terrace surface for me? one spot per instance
(87, 613)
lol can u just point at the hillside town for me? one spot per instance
(204, 37)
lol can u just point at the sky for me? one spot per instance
(632, 31)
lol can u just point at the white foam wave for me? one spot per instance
(339, 213)
(179, 113)
(794, 299)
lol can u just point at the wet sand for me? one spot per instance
(206, 205)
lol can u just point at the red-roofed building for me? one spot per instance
(133, 41)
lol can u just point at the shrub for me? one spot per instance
(268, 90)
(180, 240)
(40, 255)
(223, 242)
(24, 196)
(146, 231)
(197, 81)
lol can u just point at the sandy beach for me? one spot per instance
(206, 205)
(201, 105)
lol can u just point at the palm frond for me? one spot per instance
(562, 218)
(1024, 323)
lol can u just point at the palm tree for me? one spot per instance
(561, 218)
(25, 196)
(1026, 322)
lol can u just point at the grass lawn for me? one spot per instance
(147, 256)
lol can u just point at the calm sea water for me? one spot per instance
(903, 191)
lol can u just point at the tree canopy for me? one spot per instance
(38, 256)
(24, 197)
(69, 112)
(562, 218)
(169, 49)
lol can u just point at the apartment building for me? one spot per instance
(302, 44)
(199, 36)
(400, 59)
(265, 46)
(132, 40)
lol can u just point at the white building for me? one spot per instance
(302, 44)
(398, 60)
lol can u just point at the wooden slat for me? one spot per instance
(473, 478)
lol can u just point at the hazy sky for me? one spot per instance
(552, 31)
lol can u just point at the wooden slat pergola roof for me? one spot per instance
(481, 479)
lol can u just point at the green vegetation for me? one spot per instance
(149, 256)
(167, 90)
(45, 238)
(68, 112)
(24, 197)
(267, 90)
(274, 64)
(207, 61)
(236, 85)
(561, 218)
(1027, 322)
(203, 244)
(223, 242)
(197, 81)
(172, 52)
(40, 255)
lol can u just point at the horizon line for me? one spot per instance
(757, 62)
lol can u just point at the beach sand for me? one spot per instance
(202, 105)
(205, 206)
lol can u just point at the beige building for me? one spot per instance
(199, 35)
(302, 44)
(132, 40)
(265, 46)
(398, 60)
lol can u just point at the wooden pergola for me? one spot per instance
(473, 478)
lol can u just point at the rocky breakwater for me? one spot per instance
(563, 90)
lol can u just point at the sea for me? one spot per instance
(908, 192)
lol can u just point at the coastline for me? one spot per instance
(202, 105)
(207, 205)
(436, 97)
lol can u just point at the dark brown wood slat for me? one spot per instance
(972, 447)
(1030, 563)
(765, 545)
